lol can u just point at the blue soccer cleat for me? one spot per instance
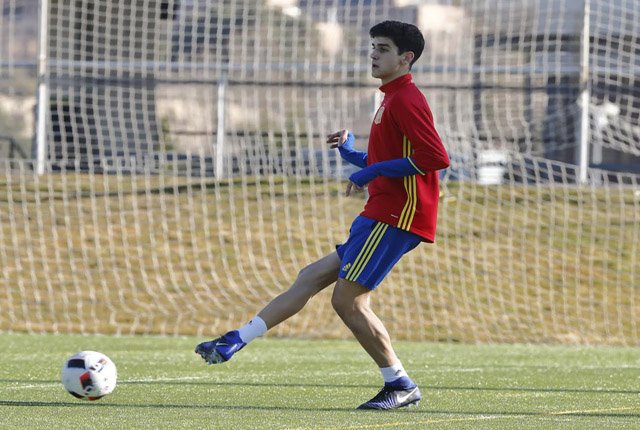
(397, 394)
(221, 349)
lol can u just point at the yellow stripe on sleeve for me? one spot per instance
(414, 166)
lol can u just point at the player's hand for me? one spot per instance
(339, 138)
(352, 187)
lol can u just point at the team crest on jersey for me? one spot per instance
(378, 118)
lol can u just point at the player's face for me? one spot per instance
(386, 63)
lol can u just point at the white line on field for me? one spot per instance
(182, 378)
(20, 386)
(29, 384)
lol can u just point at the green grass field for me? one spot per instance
(300, 384)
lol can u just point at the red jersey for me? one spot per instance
(403, 127)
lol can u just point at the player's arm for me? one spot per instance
(391, 168)
(416, 122)
(344, 140)
(427, 151)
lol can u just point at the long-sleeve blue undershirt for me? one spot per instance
(353, 156)
(391, 168)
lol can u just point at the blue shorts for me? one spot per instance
(372, 249)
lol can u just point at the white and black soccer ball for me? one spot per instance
(89, 375)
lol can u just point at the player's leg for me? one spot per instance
(310, 281)
(351, 301)
(372, 250)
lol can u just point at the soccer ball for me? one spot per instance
(89, 375)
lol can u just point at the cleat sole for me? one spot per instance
(210, 357)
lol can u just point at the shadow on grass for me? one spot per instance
(424, 388)
(413, 410)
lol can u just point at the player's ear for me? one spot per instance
(407, 58)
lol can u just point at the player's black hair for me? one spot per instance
(407, 37)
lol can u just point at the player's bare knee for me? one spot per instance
(303, 275)
(346, 308)
(339, 305)
(316, 276)
(305, 284)
(307, 276)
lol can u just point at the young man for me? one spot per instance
(400, 169)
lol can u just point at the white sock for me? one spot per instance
(254, 328)
(393, 372)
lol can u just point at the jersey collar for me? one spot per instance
(396, 84)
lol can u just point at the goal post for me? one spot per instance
(186, 181)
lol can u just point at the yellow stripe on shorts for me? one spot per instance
(366, 252)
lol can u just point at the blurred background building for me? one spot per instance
(238, 85)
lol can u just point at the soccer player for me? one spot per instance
(400, 169)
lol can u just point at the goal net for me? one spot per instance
(178, 178)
